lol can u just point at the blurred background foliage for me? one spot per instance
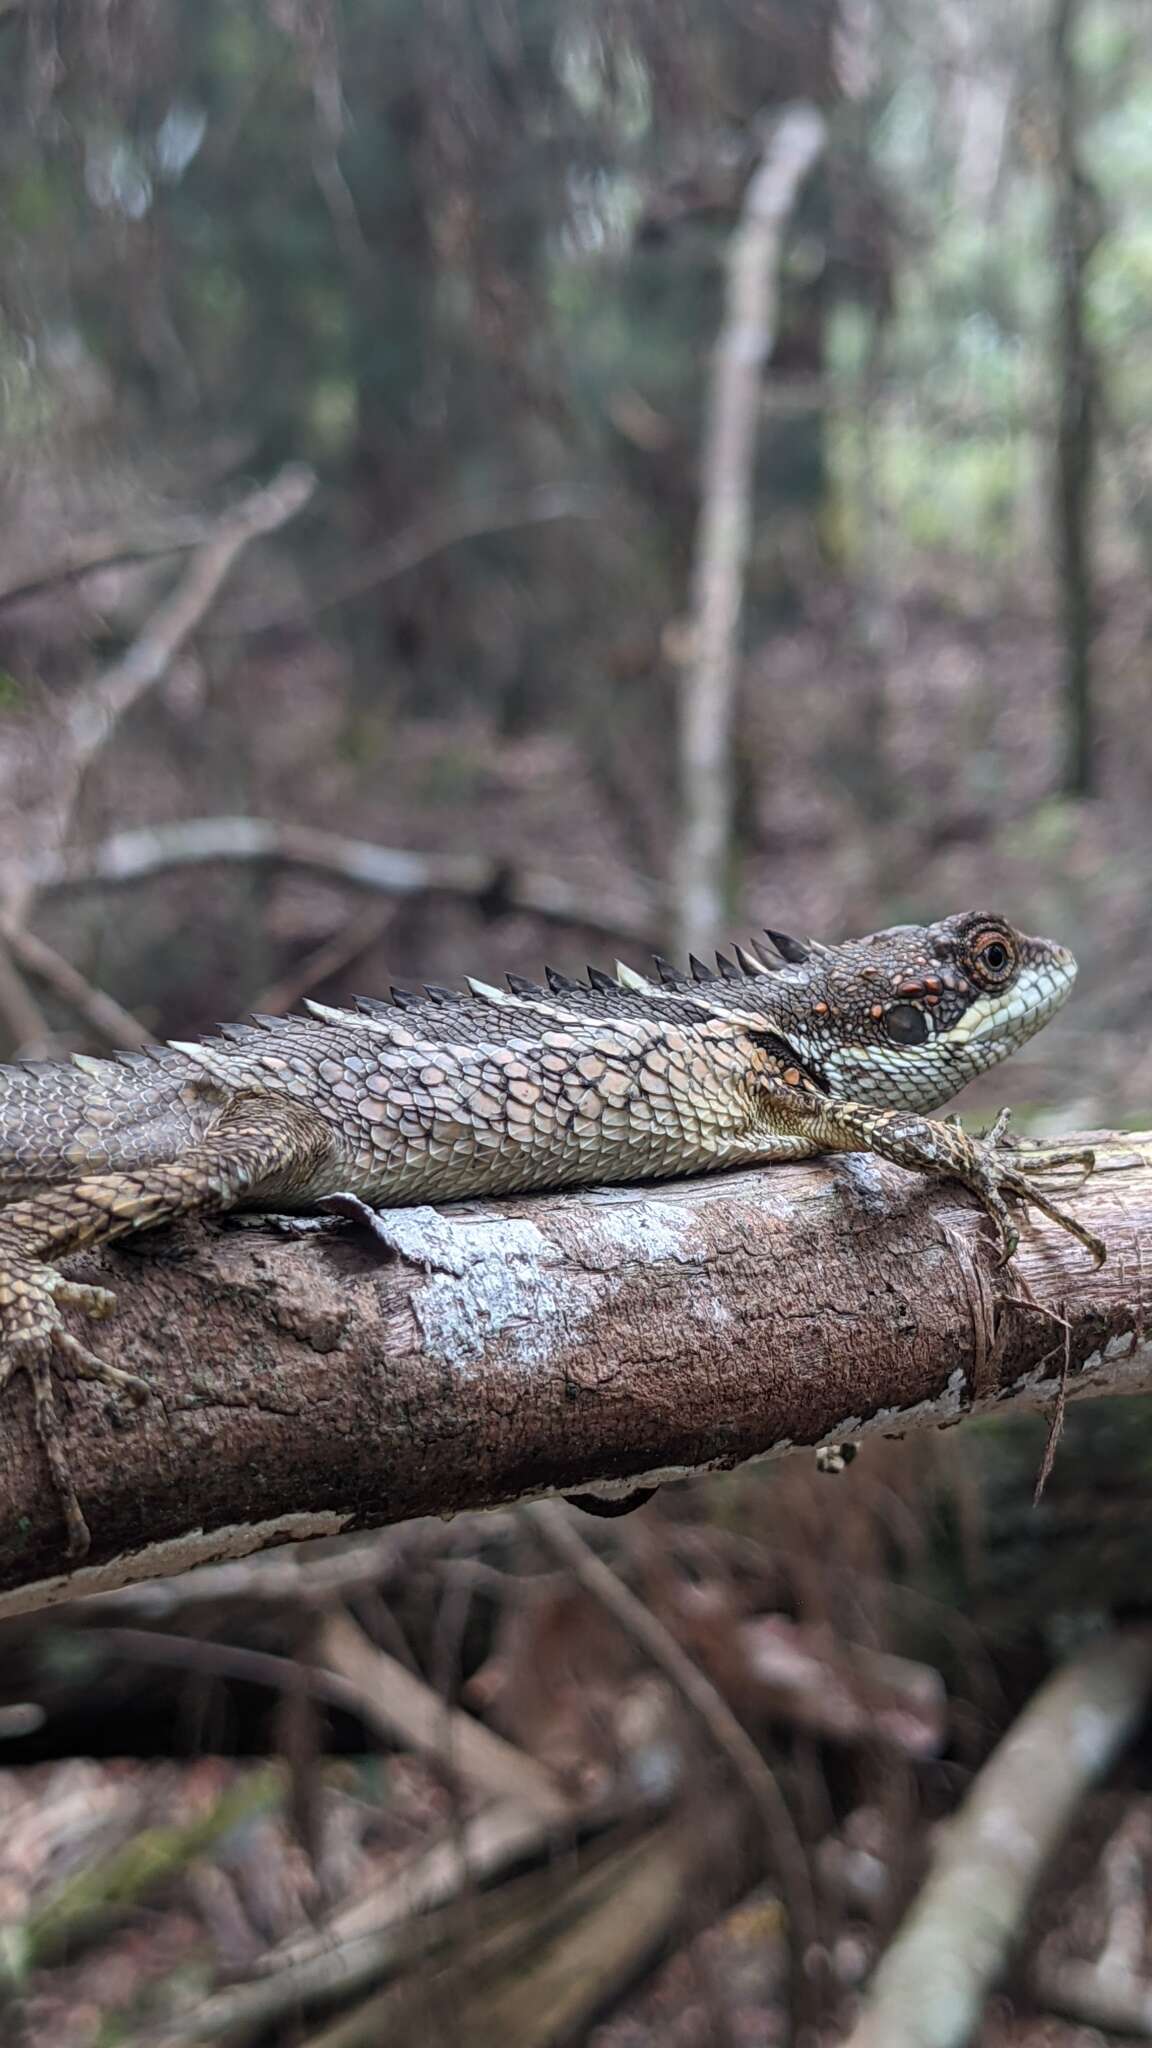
(465, 258)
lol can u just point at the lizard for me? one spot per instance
(451, 1094)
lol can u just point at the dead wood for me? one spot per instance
(315, 1380)
(433, 1902)
(402, 1706)
(931, 1985)
(45, 763)
(558, 1951)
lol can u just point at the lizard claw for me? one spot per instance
(996, 1179)
(1026, 1192)
(997, 1133)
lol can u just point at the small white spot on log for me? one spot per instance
(712, 1311)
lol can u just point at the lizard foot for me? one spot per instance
(996, 1183)
(33, 1340)
(1011, 1180)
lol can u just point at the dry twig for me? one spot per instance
(82, 554)
(402, 1706)
(105, 1016)
(92, 716)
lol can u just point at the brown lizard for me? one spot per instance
(443, 1095)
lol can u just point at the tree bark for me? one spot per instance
(326, 1380)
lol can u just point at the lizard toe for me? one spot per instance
(78, 1362)
(96, 1302)
(33, 1354)
(1026, 1192)
(1045, 1160)
(1009, 1239)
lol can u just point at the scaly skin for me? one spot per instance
(442, 1096)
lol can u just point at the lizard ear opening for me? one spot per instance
(905, 1024)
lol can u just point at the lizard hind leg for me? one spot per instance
(257, 1146)
(33, 1340)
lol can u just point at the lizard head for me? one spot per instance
(905, 1018)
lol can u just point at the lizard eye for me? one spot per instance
(905, 1024)
(992, 958)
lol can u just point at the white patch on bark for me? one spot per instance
(175, 1554)
(712, 1311)
(642, 1232)
(499, 1287)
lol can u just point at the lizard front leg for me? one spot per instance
(945, 1149)
(260, 1146)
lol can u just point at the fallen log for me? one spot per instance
(318, 1379)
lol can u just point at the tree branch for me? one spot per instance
(431, 535)
(105, 1016)
(81, 554)
(53, 765)
(136, 854)
(313, 1379)
(401, 1706)
(931, 1985)
(96, 709)
(411, 1915)
(784, 1850)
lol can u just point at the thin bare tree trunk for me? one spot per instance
(1077, 230)
(323, 1379)
(745, 341)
